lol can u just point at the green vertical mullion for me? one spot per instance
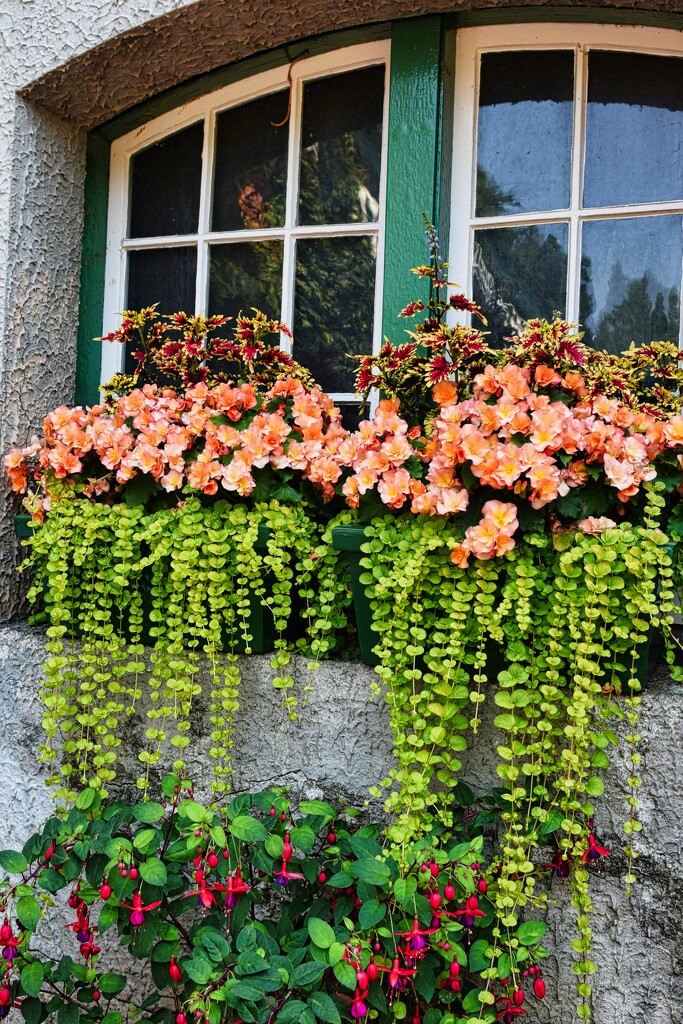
(413, 161)
(91, 303)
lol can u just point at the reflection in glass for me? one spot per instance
(634, 129)
(524, 133)
(519, 273)
(250, 176)
(245, 275)
(165, 180)
(631, 287)
(334, 307)
(341, 144)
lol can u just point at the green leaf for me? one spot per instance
(404, 889)
(154, 872)
(371, 913)
(375, 872)
(198, 969)
(108, 916)
(28, 912)
(308, 973)
(478, 958)
(13, 861)
(138, 491)
(68, 1013)
(248, 829)
(531, 932)
(595, 786)
(111, 984)
(51, 880)
(88, 799)
(318, 808)
(291, 1012)
(32, 978)
(31, 1010)
(274, 846)
(340, 880)
(148, 812)
(324, 1008)
(321, 933)
(194, 811)
(345, 974)
(250, 990)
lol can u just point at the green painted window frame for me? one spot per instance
(415, 107)
(418, 157)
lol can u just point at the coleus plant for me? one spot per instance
(267, 914)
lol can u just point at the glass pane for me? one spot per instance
(524, 133)
(245, 275)
(165, 181)
(341, 147)
(634, 129)
(334, 307)
(519, 273)
(250, 177)
(164, 276)
(631, 280)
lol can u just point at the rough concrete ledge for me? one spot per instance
(341, 745)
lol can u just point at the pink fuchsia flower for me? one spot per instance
(593, 851)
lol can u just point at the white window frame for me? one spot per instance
(579, 38)
(207, 108)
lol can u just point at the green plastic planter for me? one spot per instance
(261, 622)
(349, 540)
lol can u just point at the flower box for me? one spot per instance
(261, 622)
(349, 540)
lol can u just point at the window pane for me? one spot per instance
(165, 276)
(524, 135)
(519, 273)
(341, 145)
(251, 165)
(334, 307)
(165, 180)
(634, 129)
(245, 275)
(631, 280)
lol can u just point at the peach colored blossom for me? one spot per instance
(595, 526)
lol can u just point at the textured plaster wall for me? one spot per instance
(66, 65)
(340, 746)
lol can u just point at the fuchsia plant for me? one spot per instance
(388, 934)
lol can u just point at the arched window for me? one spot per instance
(568, 177)
(268, 193)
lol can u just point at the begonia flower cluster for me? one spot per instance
(508, 435)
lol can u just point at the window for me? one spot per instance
(266, 196)
(568, 178)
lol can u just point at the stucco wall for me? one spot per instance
(66, 65)
(341, 745)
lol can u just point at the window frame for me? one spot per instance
(471, 42)
(206, 108)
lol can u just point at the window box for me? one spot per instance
(349, 539)
(261, 622)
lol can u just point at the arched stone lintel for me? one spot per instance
(96, 86)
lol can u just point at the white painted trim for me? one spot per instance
(581, 38)
(205, 109)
